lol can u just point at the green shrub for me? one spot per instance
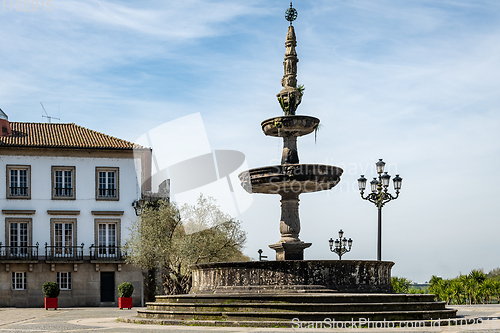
(125, 289)
(51, 289)
(400, 285)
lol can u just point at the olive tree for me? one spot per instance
(172, 239)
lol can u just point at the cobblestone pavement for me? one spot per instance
(105, 320)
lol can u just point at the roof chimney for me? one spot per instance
(4, 124)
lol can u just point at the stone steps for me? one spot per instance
(297, 307)
(296, 298)
(260, 308)
(302, 316)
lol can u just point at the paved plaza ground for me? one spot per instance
(105, 320)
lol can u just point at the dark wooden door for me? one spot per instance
(107, 286)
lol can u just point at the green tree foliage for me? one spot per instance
(494, 274)
(165, 241)
(400, 285)
(473, 288)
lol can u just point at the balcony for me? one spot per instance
(106, 253)
(18, 191)
(63, 192)
(63, 253)
(107, 193)
(19, 253)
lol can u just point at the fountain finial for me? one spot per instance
(291, 14)
(290, 96)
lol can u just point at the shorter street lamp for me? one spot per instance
(260, 255)
(380, 196)
(341, 245)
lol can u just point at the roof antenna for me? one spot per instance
(47, 115)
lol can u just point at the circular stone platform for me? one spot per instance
(274, 293)
(345, 276)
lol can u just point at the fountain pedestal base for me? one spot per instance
(290, 251)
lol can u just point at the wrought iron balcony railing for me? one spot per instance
(106, 253)
(63, 192)
(19, 191)
(63, 253)
(107, 193)
(28, 252)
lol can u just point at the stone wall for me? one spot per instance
(86, 284)
(353, 276)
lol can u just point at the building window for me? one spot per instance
(107, 181)
(19, 281)
(63, 236)
(63, 182)
(107, 237)
(64, 280)
(18, 236)
(18, 180)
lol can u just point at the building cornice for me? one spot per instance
(108, 212)
(18, 212)
(63, 212)
(73, 152)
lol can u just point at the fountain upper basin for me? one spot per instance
(290, 178)
(289, 125)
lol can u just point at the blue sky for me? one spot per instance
(413, 82)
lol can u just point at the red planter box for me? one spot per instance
(125, 302)
(51, 303)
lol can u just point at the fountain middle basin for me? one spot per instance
(290, 178)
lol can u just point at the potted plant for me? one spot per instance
(51, 291)
(125, 291)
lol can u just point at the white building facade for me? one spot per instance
(66, 203)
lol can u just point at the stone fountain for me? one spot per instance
(269, 293)
(290, 179)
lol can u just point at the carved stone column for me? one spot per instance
(290, 154)
(290, 222)
(290, 247)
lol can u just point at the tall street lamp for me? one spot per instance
(380, 196)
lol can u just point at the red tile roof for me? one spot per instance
(58, 135)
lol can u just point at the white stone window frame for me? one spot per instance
(19, 281)
(10, 167)
(98, 194)
(65, 283)
(72, 221)
(10, 220)
(73, 182)
(117, 223)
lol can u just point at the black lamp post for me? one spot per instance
(342, 245)
(261, 257)
(380, 196)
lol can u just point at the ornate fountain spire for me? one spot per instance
(290, 179)
(290, 96)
